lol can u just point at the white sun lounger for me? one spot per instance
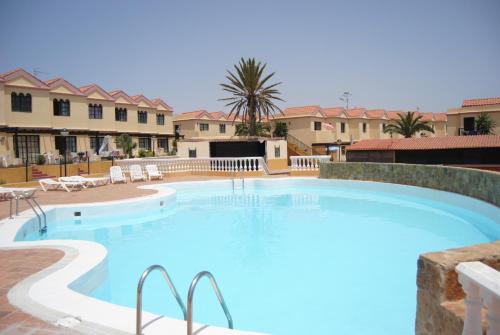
(152, 171)
(87, 181)
(68, 186)
(136, 173)
(116, 175)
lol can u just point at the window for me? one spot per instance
(317, 125)
(96, 142)
(27, 146)
(61, 107)
(70, 144)
(364, 127)
(192, 153)
(277, 151)
(203, 126)
(95, 111)
(383, 127)
(121, 114)
(160, 119)
(20, 102)
(222, 128)
(142, 117)
(177, 131)
(163, 143)
(342, 127)
(468, 123)
(145, 143)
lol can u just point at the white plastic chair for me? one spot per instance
(116, 175)
(153, 172)
(136, 173)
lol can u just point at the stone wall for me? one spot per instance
(479, 184)
(440, 305)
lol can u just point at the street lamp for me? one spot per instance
(345, 98)
(65, 133)
(153, 138)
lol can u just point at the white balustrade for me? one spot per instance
(481, 285)
(308, 163)
(223, 164)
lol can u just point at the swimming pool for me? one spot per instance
(291, 256)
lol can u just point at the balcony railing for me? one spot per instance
(308, 163)
(481, 285)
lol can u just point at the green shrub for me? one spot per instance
(40, 160)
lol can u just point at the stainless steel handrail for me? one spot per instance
(145, 274)
(44, 228)
(242, 172)
(217, 293)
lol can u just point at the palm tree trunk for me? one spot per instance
(252, 118)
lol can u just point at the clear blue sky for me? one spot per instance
(389, 54)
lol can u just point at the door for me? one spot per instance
(468, 123)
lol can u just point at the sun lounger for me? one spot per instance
(152, 171)
(68, 186)
(87, 181)
(116, 175)
(136, 173)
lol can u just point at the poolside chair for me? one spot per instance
(136, 173)
(153, 172)
(87, 181)
(68, 186)
(116, 174)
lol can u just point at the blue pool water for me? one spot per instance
(290, 256)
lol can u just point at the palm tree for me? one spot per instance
(124, 141)
(485, 124)
(408, 125)
(251, 98)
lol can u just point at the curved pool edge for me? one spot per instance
(36, 294)
(48, 295)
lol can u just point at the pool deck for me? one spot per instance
(16, 265)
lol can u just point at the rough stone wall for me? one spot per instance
(440, 306)
(484, 185)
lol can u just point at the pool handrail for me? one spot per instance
(145, 274)
(217, 293)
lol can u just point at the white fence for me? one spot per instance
(225, 164)
(481, 285)
(308, 163)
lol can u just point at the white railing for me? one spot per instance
(308, 163)
(481, 285)
(223, 164)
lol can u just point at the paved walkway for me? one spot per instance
(17, 265)
(96, 194)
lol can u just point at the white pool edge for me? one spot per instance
(47, 294)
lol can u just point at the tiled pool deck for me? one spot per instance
(16, 265)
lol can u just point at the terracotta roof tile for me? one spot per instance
(89, 89)
(119, 93)
(56, 82)
(218, 115)
(429, 143)
(356, 112)
(481, 102)
(375, 113)
(440, 117)
(333, 111)
(198, 114)
(19, 72)
(137, 98)
(302, 111)
(157, 101)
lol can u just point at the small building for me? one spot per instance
(201, 123)
(462, 120)
(273, 150)
(453, 150)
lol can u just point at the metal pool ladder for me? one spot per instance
(217, 293)
(145, 274)
(242, 178)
